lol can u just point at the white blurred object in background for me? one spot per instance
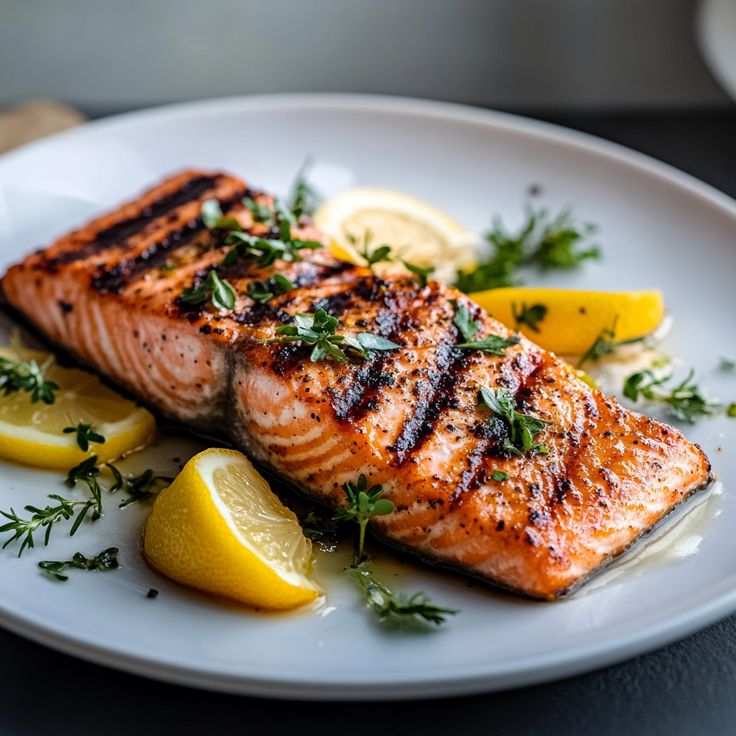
(717, 35)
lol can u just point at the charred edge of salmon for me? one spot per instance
(126, 228)
(116, 278)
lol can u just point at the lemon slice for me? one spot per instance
(574, 319)
(32, 433)
(220, 528)
(418, 232)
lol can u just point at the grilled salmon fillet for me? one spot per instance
(408, 419)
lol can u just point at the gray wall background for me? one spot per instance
(114, 54)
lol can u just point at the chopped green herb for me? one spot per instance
(523, 428)
(28, 376)
(141, 487)
(212, 217)
(88, 473)
(267, 251)
(499, 475)
(728, 364)
(493, 344)
(731, 410)
(319, 331)
(321, 526)
(219, 291)
(105, 560)
(260, 212)
(542, 241)
(303, 198)
(529, 316)
(396, 609)
(421, 272)
(468, 328)
(264, 291)
(44, 518)
(685, 401)
(376, 255)
(86, 433)
(463, 320)
(605, 344)
(364, 503)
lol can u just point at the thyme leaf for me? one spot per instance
(103, 561)
(523, 428)
(469, 328)
(219, 291)
(85, 433)
(319, 331)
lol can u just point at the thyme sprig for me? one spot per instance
(469, 328)
(101, 562)
(422, 273)
(396, 608)
(363, 504)
(605, 344)
(685, 401)
(383, 254)
(319, 331)
(141, 487)
(303, 197)
(29, 376)
(85, 433)
(88, 473)
(523, 428)
(264, 291)
(542, 241)
(45, 518)
(219, 291)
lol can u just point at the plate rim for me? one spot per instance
(577, 660)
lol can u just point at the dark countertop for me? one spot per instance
(686, 688)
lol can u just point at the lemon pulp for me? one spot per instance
(220, 528)
(417, 231)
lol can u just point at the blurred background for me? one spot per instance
(647, 73)
(656, 75)
(104, 56)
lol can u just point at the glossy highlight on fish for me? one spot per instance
(409, 419)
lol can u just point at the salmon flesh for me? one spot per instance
(408, 419)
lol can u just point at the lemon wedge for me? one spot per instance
(572, 320)
(417, 231)
(220, 528)
(33, 433)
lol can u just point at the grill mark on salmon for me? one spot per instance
(611, 474)
(124, 229)
(155, 255)
(433, 394)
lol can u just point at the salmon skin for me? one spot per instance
(409, 419)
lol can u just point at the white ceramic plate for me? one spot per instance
(658, 228)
